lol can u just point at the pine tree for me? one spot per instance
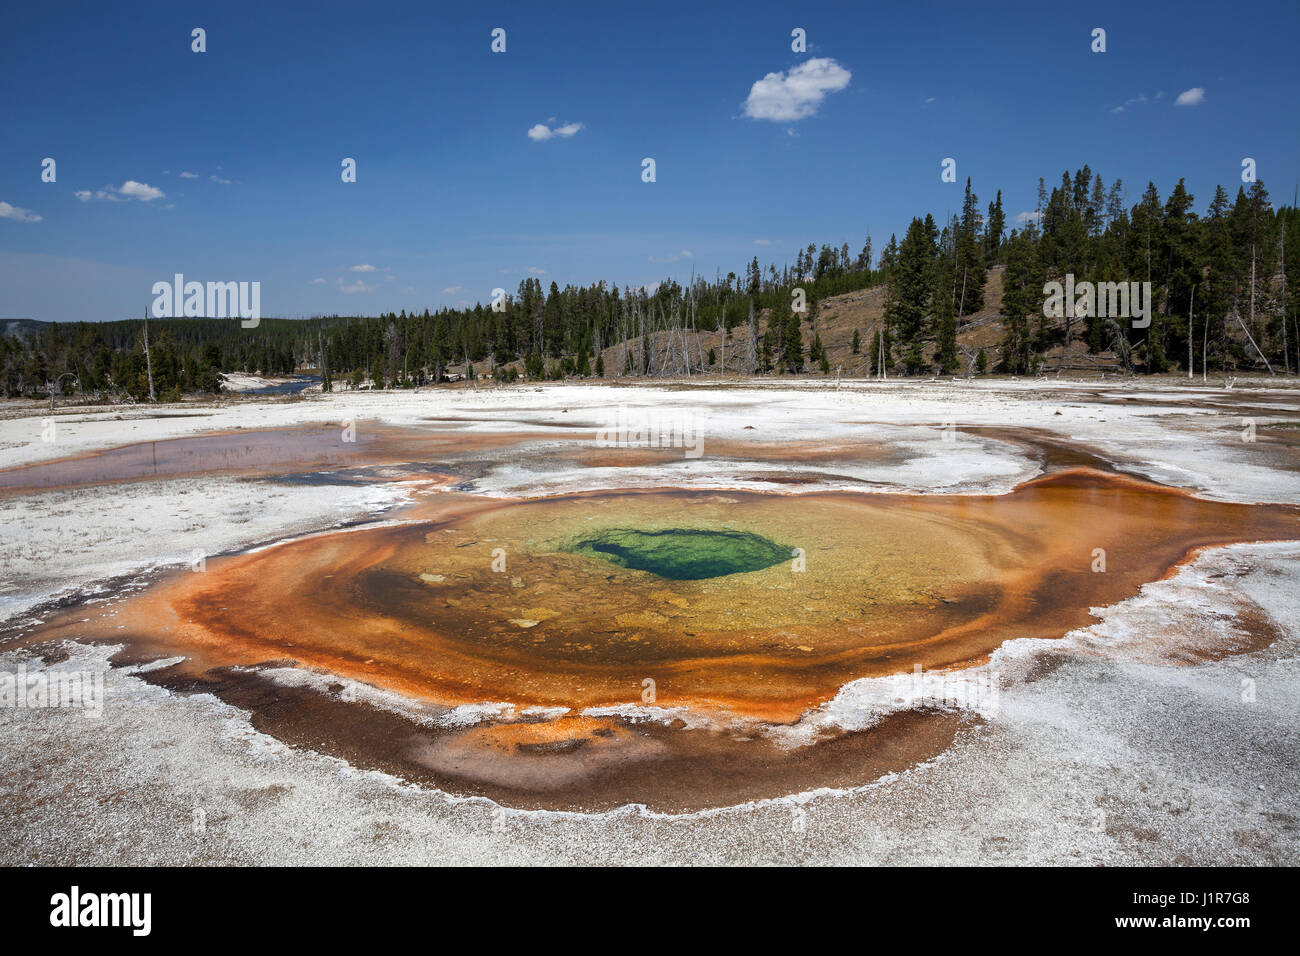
(864, 257)
(993, 230)
(535, 365)
(792, 340)
(969, 267)
(889, 258)
(1181, 273)
(1020, 299)
(909, 291)
(944, 296)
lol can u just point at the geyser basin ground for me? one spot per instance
(1184, 770)
(519, 602)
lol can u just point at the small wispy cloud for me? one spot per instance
(187, 175)
(364, 267)
(317, 281)
(1138, 100)
(533, 270)
(684, 254)
(17, 213)
(453, 290)
(543, 132)
(1193, 97)
(355, 287)
(781, 97)
(1024, 217)
(762, 242)
(127, 191)
(218, 179)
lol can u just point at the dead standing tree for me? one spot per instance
(148, 359)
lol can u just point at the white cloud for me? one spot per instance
(19, 215)
(536, 271)
(364, 267)
(218, 179)
(542, 132)
(453, 290)
(141, 191)
(1024, 217)
(762, 242)
(1193, 97)
(358, 286)
(130, 190)
(188, 175)
(797, 94)
(317, 281)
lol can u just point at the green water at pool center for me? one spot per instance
(683, 554)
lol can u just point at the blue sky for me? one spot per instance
(453, 196)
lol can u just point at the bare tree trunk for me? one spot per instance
(751, 350)
(1205, 346)
(1286, 349)
(722, 335)
(148, 360)
(1252, 342)
(881, 367)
